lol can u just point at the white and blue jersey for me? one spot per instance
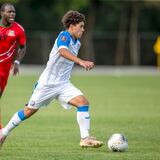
(54, 81)
(58, 69)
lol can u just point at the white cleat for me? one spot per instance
(90, 142)
(2, 139)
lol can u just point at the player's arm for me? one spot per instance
(21, 49)
(21, 52)
(63, 42)
(19, 56)
(66, 54)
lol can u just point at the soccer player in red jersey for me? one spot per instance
(12, 44)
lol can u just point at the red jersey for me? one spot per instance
(10, 37)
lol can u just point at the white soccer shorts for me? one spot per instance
(43, 95)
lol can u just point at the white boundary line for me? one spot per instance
(98, 70)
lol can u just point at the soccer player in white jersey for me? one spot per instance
(54, 82)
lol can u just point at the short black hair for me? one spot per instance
(72, 17)
(4, 5)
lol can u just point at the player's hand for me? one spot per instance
(15, 68)
(86, 64)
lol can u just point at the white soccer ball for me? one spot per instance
(117, 143)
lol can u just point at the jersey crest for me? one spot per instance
(11, 33)
(63, 38)
(9, 38)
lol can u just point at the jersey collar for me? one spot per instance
(2, 25)
(73, 39)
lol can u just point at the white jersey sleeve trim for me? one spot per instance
(62, 47)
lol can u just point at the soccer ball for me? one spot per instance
(117, 143)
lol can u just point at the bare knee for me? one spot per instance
(83, 101)
(79, 101)
(28, 112)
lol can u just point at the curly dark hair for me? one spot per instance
(72, 17)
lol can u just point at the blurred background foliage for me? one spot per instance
(118, 32)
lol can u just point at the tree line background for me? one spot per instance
(117, 32)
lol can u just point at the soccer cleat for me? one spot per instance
(90, 142)
(2, 139)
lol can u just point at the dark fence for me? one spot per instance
(39, 45)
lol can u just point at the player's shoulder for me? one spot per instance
(64, 36)
(17, 25)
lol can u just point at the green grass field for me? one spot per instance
(125, 104)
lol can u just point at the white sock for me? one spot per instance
(14, 122)
(83, 120)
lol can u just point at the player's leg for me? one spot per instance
(0, 118)
(71, 96)
(41, 96)
(0, 92)
(16, 119)
(83, 119)
(4, 74)
(0, 108)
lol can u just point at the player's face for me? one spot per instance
(8, 15)
(78, 29)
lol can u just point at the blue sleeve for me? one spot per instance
(63, 40)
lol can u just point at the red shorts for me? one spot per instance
(4, 73)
